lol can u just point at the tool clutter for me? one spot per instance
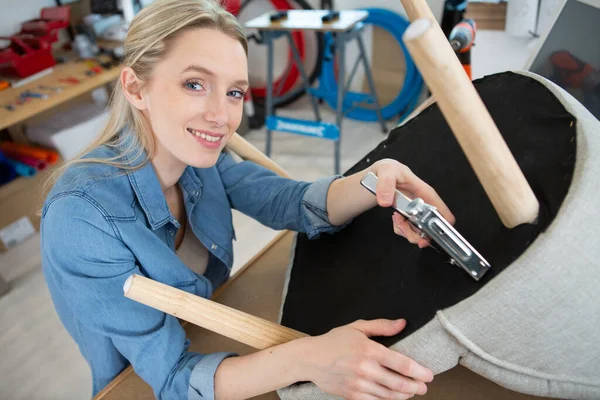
(23, 160)
(30, 50)
(44, 91)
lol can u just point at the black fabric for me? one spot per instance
(366, 271)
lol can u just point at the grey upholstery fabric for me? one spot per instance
(535, 328)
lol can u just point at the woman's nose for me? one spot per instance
(216, 111)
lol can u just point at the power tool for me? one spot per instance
(462, 39)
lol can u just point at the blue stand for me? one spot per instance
(318, 128)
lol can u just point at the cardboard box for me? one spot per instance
(20, 205)
(71, 131)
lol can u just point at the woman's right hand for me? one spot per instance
(346, 363)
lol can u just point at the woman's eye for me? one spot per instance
(238, 94)
(193, 85)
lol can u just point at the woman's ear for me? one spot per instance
(132, 86)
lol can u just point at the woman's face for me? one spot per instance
(194, 100)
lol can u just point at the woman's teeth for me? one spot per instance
(205, 136)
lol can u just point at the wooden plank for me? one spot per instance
(309, 20)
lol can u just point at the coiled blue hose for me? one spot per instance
(406, 100)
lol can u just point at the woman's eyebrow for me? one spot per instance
(198, 68)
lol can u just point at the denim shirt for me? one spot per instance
(100, 224)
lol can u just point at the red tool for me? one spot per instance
(70, 79)
(30, 51)
(51, 20)
(462, 39)
(568, 70)
(233, 6)
(26, 55)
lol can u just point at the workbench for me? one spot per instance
(257, 290)
(10, 119)
(347, 27)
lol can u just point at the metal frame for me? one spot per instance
(341, 38)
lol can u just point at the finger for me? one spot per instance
(403, 365)
(396, 221)
(400, 225)
(409, 232)
(398, 383)
(377, 391)
(364, 396)
(423, 243)
(380, 327)
(419, 188)
(420, 239)
(386, 188)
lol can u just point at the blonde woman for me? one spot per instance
(154, 196)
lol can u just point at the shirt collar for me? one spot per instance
(145, 184)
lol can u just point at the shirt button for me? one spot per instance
(213, 247)
(195, 193)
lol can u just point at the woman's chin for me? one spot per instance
(204, 161)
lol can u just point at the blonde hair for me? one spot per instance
(148, 41)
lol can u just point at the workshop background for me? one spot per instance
(55, 90)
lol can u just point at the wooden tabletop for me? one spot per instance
(309, 20)
(35, 106)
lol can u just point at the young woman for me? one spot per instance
(153, 196)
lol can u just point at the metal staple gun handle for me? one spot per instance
(432, 225)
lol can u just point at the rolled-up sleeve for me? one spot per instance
(202, 380)
(275, 201)
(315, 208)
(89, 274)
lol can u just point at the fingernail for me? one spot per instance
(431, 376)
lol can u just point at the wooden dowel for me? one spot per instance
(247, 151)
(472, 124)
(417, 9)
(237, 325)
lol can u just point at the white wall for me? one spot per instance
(521, 16)
(436, 6)
(20, 11)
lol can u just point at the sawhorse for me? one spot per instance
(346, 27)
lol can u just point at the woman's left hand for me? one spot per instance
(393, 175)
